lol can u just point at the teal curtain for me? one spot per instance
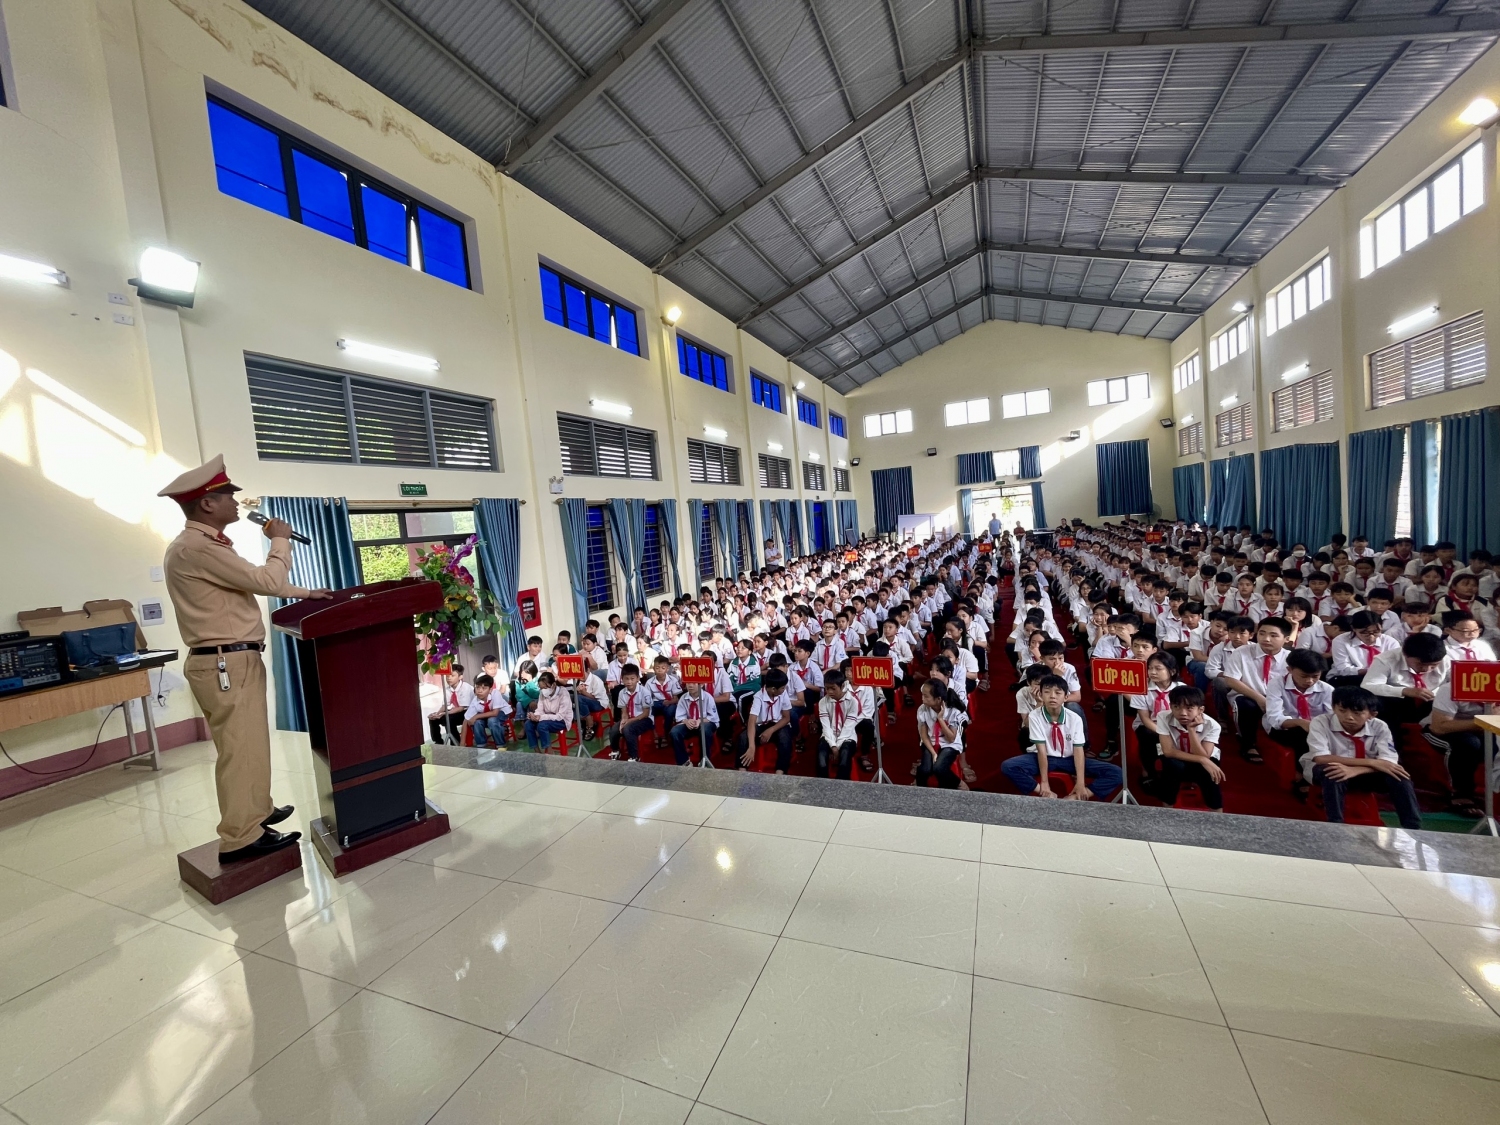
(498, 524)
(1031, 463)
(753, 554)
(1424, 461)
(783, 526)
(1375, 458)
(976, 468)
(1187, 492)
(330, 563)
(1300, 493)
(1124, 469)
(1238, 506)
(1469, 487)
(728, 535)
(669, 541)
(1038, 508)
(795, 529)
(966, 511)
(893, 497)
(768, 523)
(574, 514)
(849, 522)
(627, 549)
(694, 538)
(1218, 482)
(810, 508)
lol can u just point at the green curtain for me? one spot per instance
(329, 563)
(1300, 493)
(1375, 458)
(1469, 487)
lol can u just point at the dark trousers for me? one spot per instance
(1345, 681)
(1148, 747)
(843, 758)
(1396, 711)
(683, 741)
(453, 722)
(782, 740)
(944, 767)
(1400, 791)
(1248, 716)
(630, 733)
(1175, 773)
(1465, 755)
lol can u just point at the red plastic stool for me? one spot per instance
(1060, 783)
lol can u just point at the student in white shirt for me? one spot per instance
(1058, 738)
(1453, 728)
(839, 716)
(1248, 673)
(444, 723)
(1189, 743)
(1161, 673)
(1407, 680)
(1416, 617)
(486, 714)
(1295, 698)
(769, 722)
(635, 717)
(1350, 749)
(696, 718)
(1463, 633)
(940, 725)
(1353, 652)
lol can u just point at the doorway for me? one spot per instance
(1011, 505)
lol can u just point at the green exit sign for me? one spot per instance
(413, 490)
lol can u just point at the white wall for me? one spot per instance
(999, 358)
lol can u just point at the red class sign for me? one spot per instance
(871, 671)
(568, 666)
(1065, 541)
(986, 547)
(696, 670)
(1476, 681)
(1153, 537)
(913, 552)
(1119, 677)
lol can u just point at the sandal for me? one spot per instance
(1462, 806)
(970, 776)
(1251, 755)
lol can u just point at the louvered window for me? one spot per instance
(710, 463)
(774, 472)
(304, 413)
(1190, 440)
(1443, 359)
(1304, 403)
(1235, 425)
(814, 479)
(841, 480)
(591, 448)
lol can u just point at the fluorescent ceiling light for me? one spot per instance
(774, 446)
(715, 433)
(1187, 420)
(813, 457)
(1239, 307)
(361, 350)
(1412, 320)
(604, 406)
(1296, 372)
(22, 269)
(1230, 401)
(841, 463)
(1481, 111)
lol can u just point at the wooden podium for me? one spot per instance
(357, 654)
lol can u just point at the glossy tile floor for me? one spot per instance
(576, 952)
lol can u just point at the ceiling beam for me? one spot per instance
(575, 100)
(932, 75)
(1305, 34)
(1170, 179)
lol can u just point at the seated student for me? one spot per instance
(444, 723)
(1452, 726)
(552, 713)
(806, 684)
(839, 717)
(1053, 660)
(634, 717)
(1027, 702)
(1307, 628)
(1248, 673)
(745, 671)
(1161, 673)
(965, 667)
(486, 715)
(1463, 637)
(533, 653)
(1416, 617)
(769, 721)
(1393, 578)
(1318, 596)
(940, 724)
(1463, 597)
(1295, 698)
(1206, 635)
(695, 718)
(1357, 648)
(1058, 737)
(1406, 680)
(593, 698)
(865, 704)
(1378, 600)
(1189, 747)
(1349, 749)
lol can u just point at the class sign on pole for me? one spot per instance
(871, 672)
(568, 667)
(1119, 677)
(1065, 542)
(696, 670)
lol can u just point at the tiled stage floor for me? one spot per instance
(584, 952)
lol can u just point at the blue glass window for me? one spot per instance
(807, 411)
(653, 575)
(706, 542)
(580, 309)
(552, 297)
(385, 225)
(765, 392)
(697, 362)
(600, 579)
(625, 334)
(323, 194)
(836, 425)
(252, 161)
(247, 159)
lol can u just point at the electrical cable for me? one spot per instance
(160, 676)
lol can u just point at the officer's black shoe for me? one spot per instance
(278, 814)
(270, 841)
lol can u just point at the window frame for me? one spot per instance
(1188, 372)
(1406, 347)
(809, 413)
(606, 558)
(357, 178)
(1236, 333)
(1288, 402)
(1190, 440)
(1026, 403)
(407, 538)
(838, 425)
(814, 477)
(684, 343)
(897, 417)
(1402, 209)
(653, 562)
(763, 387)
(1235, 425)
(1006, 458)
(1125, 384)
(765, 463)
(841, 481)
(707, 524)
(627, 432)
(725, 455)
(968, 407)
(1286, 294)
(591, 297)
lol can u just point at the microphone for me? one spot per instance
(260, 519)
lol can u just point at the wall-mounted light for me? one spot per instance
(1296, 372)
(855, 461)
(1412, 320)
(672, 316)
(1239, 307)
(167, 278)
(774, 446)
(715, 433)
(1230, 401)
(604, 406)
(1187, 419)
(814, 457)
(38, 273)
(801, 383)
(1481, 111)
(359, 349)
(840, 463)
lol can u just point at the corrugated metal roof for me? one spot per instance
(695, 151)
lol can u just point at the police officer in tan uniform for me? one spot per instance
(214, 593)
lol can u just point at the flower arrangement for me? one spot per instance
(466, 608)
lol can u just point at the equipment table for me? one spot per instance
(73, 698)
